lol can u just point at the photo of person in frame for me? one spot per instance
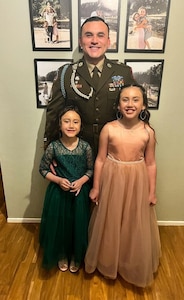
(51, 24)
(45, 74)
(105, 9)
(146, 25)
(149, 74)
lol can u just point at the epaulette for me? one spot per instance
(119, 63)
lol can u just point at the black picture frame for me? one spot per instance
(152, 38)
(148, 73)
(57, 37)
(109, 11)
(45, 74)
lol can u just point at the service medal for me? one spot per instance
(118, 81)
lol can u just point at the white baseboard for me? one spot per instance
(171, 223)
(23, 220)
(37, 220)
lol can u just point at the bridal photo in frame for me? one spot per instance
(146, 25)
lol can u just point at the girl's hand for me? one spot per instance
(64, 184)
(52, 167)
(152, 200)
(94, 195)
(75, 186)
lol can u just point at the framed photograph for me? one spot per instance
(51, 25)
(106, 9)
(146, 25)
(148, 73)
(45, 73)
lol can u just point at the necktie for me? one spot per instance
(95, 77)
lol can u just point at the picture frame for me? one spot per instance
(109, 11)
(148, 73)
(146, 25)
(51, 25)
(45, 74)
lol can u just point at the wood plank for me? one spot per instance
(23, 278)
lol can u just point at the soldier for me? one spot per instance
(76, 84)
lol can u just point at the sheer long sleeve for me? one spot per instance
(90, 161)
(46, 160)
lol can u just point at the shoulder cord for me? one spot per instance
(74, 68)
(62, 80)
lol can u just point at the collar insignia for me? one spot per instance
(109, 65)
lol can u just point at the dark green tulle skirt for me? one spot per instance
(64, 225)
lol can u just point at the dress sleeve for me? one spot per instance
(46, 160)
(90, 161)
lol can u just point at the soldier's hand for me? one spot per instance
(52, 167)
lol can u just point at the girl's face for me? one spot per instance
(142, 12)
(131, 102)
(136, 17)
(70, 124)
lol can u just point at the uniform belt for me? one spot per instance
(94, 127)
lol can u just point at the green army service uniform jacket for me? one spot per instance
(97, 107)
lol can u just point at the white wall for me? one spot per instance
(22, 124)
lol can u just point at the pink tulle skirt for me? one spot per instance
(123, 231)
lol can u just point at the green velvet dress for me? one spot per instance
(65, 217)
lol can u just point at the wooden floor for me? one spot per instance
(22, 278)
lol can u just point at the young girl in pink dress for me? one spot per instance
(123, 231)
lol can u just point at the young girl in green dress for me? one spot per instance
(66, 211)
